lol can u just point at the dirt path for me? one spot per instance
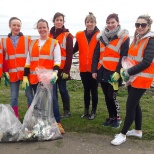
(75, 143)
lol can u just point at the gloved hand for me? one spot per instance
(114, 84)
(25, 82)
(124, 75)
(115, 77)
(64, 76)
(6, 78)
(54, 77)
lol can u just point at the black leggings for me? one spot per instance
(110, 99)
(90, 86)
(133, 109)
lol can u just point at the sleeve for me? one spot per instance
(76, 48)
(95, 58)
(57, 57)
(147, 59)
(69, 54)
(27, 66)
(5, 67)
(123, 52)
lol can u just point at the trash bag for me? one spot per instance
(39, 122)
(10, 125)
(126, 64)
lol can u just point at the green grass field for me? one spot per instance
(76, 124)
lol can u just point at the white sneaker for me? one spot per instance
(119, 139)
(133, 133)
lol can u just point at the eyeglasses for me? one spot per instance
(143, 25)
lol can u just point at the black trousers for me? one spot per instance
(110, 99)
(90, 86)
(133, 109)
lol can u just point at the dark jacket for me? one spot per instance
(103, 75)
(69, 49)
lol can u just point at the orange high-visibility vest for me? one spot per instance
(143, 79)
(41, 57)
(16, 57)
(85, 51)
(62, 42)
(1, 59)
(110, 55)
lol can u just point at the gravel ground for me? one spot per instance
(75, 143)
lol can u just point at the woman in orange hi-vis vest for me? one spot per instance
(65, 40)
(85, 44)
(15, 49)
(113, 45)
(45, 52)
(141, 52)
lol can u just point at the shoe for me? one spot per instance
(133, 133)
(62, 131)
(108, 122)
(66, 115)
(85, 116)
(92, 116)
(119, 139)
(116, 123)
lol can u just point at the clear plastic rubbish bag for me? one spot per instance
(126, 64)
(10, 125)
(39, 122)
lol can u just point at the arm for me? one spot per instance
(95, 58)
(76, 48)
(57, 57)
(69, 54)
(27, 66)
(147, 59)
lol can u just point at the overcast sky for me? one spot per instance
(75, 11)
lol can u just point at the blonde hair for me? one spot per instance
(90, 16)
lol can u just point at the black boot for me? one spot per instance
(92, 115)
(86, 113)
(66, 114)
(66, 107)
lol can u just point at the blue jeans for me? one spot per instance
(29, 93)
(55, 104)
(64, 94)
(14, 87)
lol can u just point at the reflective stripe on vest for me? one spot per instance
(16, 69)
(63, 45)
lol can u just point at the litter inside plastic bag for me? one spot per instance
(10, 126)
(126, 64)
(39, 122)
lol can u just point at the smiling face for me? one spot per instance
(43, 30)
(15, 26)
(59, 22)
(90, 25)
(112, 24)
(142, 26)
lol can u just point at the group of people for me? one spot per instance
(100, 61)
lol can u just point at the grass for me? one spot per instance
(77, 124)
